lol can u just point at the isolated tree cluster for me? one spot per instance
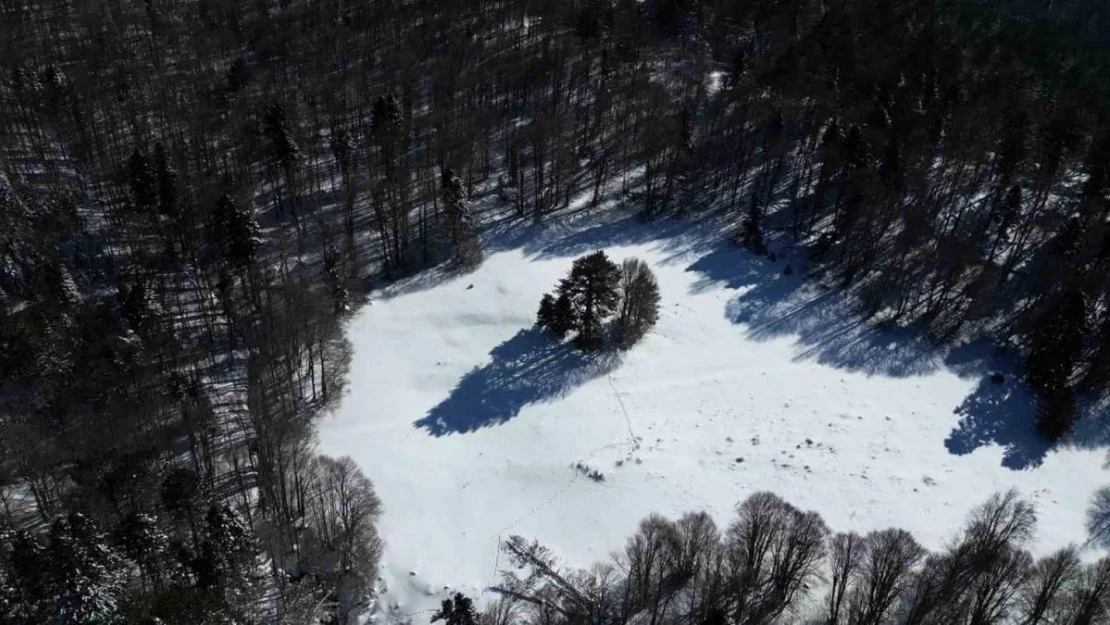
(775, 563)
(593, 292)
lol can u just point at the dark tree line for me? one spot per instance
(159, 363)
(775, 563)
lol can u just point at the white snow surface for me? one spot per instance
(469, 422)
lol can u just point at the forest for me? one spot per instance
(195, 194)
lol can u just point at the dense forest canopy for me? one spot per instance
(190, 191)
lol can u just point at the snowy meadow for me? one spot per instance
(476, 426)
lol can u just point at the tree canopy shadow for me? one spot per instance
(1002, 410)
(531, 367)
(605, 228)
(1002, 413)
(414, 281)
(730, 267)
(830, 330)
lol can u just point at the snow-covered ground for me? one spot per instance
(469, 421)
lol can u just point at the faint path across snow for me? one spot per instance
(634, 441)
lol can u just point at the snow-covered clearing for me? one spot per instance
(469, 421)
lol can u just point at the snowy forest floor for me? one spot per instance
(471, 423)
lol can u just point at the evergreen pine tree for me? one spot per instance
(285, 149)
(235, 231)
(24, 582)
(385, 116)
(238, 75)
(166, 177)
(591, 292)
(84, 572)
(385, 120)
(546, 314)
(342, 146)
(141, 177)
(467, 249)
(227, 552)
(180, 492)
(752, 235)
(340, 296)
(140, 538)
(563, 319)
(458, 610)
(137, 306)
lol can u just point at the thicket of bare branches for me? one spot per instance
(639, 302)
(775, 563)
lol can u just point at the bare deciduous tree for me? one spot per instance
(345, 511)
(845, 551)
(885, 571)
(639, 301)
(1043, 597)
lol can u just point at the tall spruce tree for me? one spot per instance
(143, 181)
(166, 177)
(85, 574)
(591, 290)
(466, 248)
(546, 313)
(235, 231)
(227, 552)
(563, 319)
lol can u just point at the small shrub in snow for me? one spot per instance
(589, 472)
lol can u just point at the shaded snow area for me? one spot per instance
(474, 426)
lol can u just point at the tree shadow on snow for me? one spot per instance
(531, 367)
(1002, 414)
(573, 237)
(1001, 411)
(830, 330)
